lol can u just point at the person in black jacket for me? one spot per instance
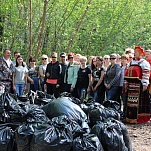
(63, 64)
(53, 76)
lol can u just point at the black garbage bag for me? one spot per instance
(54, 138)
(63, 106)
(42, 101)
(23, 136)
(7, 141)
(111, 136)
(124, 132)
(116, 106)
(71, 125)
(112, 104)
(34, 114)
(100, 113)
(89, 142)
(10, 111)
(23, 98)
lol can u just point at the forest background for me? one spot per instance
(88, 27)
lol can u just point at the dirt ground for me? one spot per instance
(140, 135)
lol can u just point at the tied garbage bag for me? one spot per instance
(10, 111)
(63, 106)
(88, 142)
(113, 135)
(7, 141)
(112, 104)
(23, 136)
(34, 114)
(71, 125)
(100, 113)
(54, 138)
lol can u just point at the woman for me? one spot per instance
(19, 76)
(71, 75)
(106, 61)
(84, 78)
(53, 76)
(112, 78)
(33, 75)
(98, 81)
(124, 66)
(137, 77)
(42, 70)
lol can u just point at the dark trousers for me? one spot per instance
(52, 90)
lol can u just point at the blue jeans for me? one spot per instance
(111, 93)
(19, 89)
(80, 90)
(34, 87)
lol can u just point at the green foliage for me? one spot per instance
(109, 25)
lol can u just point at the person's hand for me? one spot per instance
(32, 81)
(94, 89)
(47, 74)
(25, 87)
(71, 89)
(14, 88)
(57, 86)
(144, 88)
(108, 86)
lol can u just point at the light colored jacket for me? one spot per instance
(71, 75)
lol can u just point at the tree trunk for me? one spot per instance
(42, 28)
(78, 28)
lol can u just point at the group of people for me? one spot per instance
(123, 78)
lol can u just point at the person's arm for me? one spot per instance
(41, 73)
(30, 80)
(116, 77)
(100, 80)
(13, 81)
(90, 82)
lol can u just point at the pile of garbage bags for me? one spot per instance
(39, 122)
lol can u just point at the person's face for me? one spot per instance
(44, 60)
(112, 60)
(98, 62)
(62, 58)
(83, 62)
(136, 54)
(124, 61)
(77, 58)
(147, 55)
(54, 58)
(106, 59)
(20, 60)
(7, 54)
(70, 59)
(33, 62)
(16, 54)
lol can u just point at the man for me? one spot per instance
(16, 54)
(64, 66)
(6, 69)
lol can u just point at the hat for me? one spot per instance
(63, 54)
(140, 50)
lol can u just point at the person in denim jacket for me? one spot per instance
(71, 75)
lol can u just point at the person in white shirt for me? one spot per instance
(19, 77)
